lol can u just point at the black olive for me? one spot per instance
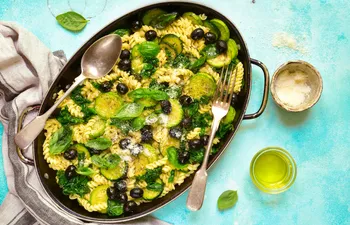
(70, 154)
(185, 100)
(124, 143)
(205, 140)
(130, 206)
(120, 185)
(166, 84)
(125, 54)
(70, 172)
(136, 25)
(112, 193)
(94, 151)
(106, 86)
(175, 132)
(150, 35)
(221, 46)
(122, 197)
(197, 34)
(138, 77)
(122, 88)
(234, 100)
(209, 38)
(194, 144)
(186, 122)
(136, 193)
(166, 106)
(146, 134)
(183, 157)
(124, 64)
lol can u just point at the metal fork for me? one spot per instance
(221, 103)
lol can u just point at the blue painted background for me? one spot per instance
(318, 139)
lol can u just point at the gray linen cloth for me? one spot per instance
(27, 68)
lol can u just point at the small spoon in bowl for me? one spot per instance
(97, 61)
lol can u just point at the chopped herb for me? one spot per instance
(76, 185)
(196, 156)
(114, 208)
(124, 125)
(151, 175)
(107, 161)
(149, 67)
(64, 117)
(181, 61)
(171, 177)
(223, 129)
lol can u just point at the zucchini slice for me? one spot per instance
(99, 195)
(81, 149)
(199, 85)
(153, 191)
(176, 114)
(225, 58)
(116, 172)
(97, 128)
(108, 104)
(148, 155)
(168, 142)
(230, 116)
(169, 51)
(173, 41)
(222, 27)
(136, 60)
(212, 28)
(147, 102)
(151, 15)
(193, 17)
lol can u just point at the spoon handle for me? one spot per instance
(27, 135)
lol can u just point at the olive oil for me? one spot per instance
(273, 170)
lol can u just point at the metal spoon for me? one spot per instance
(98, 60)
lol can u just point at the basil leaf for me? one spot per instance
(149, 49)
(122, 32)
(129, 111)
(209, 51)
(76, 185)
(163, 20)
(123, 125)
(181, 61)
(99, 143)
(172, 157)
(108, 161)
(138, 123)
(151, 175)
(114, 208)
(227, 199)
(150, 93)
(60, 140)
(87, 171)
(171, 177)
(155, 187)
(198, 63)
(71, 21)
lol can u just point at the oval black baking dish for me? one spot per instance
(72, 70)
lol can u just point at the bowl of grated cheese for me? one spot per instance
(296, 86)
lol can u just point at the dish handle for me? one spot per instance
(266, 90)
(23, 115)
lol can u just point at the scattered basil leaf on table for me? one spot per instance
(114, 208)
(72, 21)
(99, 143)
(61, 140)
(107, 161)
(129, 111)
(227, 199)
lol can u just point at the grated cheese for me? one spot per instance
(292, 88)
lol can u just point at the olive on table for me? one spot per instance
(70, 154)
(234, 100)
(183, 157)
(106, 86)
(205, 140)
(111, 193)
(209, 38)
(185, 100)
(175, 132)
(146, 134)
(136, 25)
(130, 206)
(70, 172)
(120, 185)
(122, 197)
(150, 35)
(124, 64)
(194, 144)
(221, 46)
(166, 106)
(124, 143)
(136, 193)
(186, 122)
(197, 34)
(125, 54)
(122, 88)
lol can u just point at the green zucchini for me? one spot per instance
(99, 195)
(212, 28)
(152, 191)
(168, 50)
(173, 41)
(115, 173)
(176, 114)
(199, 85)
(81, 149)
(136, 60)
(108, 104)
(225, 59)
(97, 128)
(147, 102)
(222, 27)
(230, 116)
(148, 155)
(151, 15)
(193, 17)
(168, 142)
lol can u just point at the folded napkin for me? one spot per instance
(27, 69)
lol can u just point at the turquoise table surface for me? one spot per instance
(318, 139)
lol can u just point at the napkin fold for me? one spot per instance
(27, 69)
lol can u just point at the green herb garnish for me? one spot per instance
(61, 140)
(72, 21)
(227, 199)
(76, 185)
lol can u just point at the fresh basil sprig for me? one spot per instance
(148, 93)
(227, 199)
(72, 21)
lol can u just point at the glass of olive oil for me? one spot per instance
(273, 170)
